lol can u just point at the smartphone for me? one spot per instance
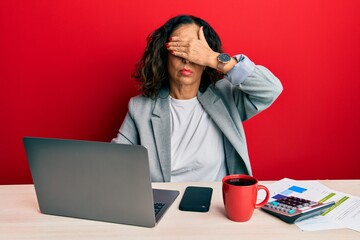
(196, 199)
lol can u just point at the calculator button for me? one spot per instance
(274, 203)
(292, 211)
(279, 209)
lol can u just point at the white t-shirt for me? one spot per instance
(197, 150)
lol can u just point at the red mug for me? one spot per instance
(240, 196)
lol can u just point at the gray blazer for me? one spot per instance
(147, 122)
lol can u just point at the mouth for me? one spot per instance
(186, 72)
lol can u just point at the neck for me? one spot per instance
(183, 92)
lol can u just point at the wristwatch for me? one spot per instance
(223, 59)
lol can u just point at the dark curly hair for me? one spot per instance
(151, 70)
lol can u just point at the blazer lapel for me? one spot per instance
(161, 128)
(216, 109)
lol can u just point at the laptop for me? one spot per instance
(95, 180)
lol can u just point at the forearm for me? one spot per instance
(243, 68)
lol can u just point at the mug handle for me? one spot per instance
(258, 205)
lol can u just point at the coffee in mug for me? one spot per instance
(240, 196)
(240, 182)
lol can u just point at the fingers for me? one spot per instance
(201, 34)
(180, 54)
(179, 48)
(195, 50)
(177, 44)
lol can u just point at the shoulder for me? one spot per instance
(141, 101)
(141, 105)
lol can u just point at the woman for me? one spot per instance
(188, 119)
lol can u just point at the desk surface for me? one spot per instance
(20, 219)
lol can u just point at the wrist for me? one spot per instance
(212, 60)
(225, 63)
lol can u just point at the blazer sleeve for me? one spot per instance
(255, 88)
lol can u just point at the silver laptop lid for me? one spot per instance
(92, 180)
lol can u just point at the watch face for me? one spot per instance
(224, 58)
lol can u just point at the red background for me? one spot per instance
(65, 72)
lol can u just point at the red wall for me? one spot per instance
(65, 72)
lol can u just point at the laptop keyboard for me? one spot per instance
(158, 207)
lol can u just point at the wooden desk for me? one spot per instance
(20, 219)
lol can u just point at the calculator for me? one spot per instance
(291, 209)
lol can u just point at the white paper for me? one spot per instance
(344, 214)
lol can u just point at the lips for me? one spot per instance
(186, 72)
